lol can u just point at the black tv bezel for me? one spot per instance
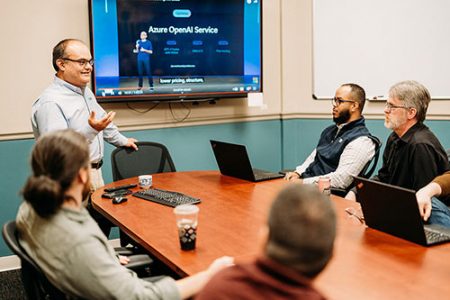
(172, 97)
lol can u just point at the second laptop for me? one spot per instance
(233, 160)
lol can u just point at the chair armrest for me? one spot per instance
(139, 262)
(338, 192)
(123, 251)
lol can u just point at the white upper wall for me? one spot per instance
(297, 65)
(386, 42)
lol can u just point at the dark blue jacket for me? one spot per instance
(331, 144)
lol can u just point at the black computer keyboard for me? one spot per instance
(168, 198)
(435, 236)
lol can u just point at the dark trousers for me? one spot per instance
(144, 66)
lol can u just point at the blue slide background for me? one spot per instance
(227, 16)
(113, 40)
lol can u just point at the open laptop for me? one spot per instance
(233, 160)
(395, 210)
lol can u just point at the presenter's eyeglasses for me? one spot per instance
(81, 62)
(336, 102)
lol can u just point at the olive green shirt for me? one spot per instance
(76, 257)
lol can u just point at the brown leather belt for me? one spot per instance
(97, 165)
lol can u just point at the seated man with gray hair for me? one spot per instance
(296, 245)
(413, 156)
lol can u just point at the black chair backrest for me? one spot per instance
(35, 283)
(448, 154)
(366, 172)
(369, 168)
(151, 158)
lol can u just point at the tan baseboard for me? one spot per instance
(7, 263)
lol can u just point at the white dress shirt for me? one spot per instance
(353, 159)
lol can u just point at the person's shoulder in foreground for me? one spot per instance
(75, 237)
(296, 245)
(261, 279)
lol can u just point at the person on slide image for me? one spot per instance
(144, 49)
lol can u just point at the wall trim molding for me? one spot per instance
(368, 116)
(152, 125)
(223, 120)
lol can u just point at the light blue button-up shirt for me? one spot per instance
(63, 105)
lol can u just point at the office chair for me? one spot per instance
(37, 285)
(366, 172)
(34, 281)
(151, 158)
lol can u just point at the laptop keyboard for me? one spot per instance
(435, 236)
(164, 197)
(262, 174)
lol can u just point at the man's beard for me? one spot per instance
(394, 122)
(343, 117)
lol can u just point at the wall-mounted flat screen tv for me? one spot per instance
(175, 49)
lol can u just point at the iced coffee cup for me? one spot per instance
(187, 219)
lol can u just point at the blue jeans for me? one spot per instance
(440, 213)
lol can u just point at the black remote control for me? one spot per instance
(116, 194)
(120, 187)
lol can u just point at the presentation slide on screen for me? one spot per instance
(178, 46)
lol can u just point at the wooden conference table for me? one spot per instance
(367, 264)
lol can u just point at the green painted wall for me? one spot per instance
(272, 145)
(300, 137)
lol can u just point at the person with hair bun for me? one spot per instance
(57, 160)
(58, 233)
